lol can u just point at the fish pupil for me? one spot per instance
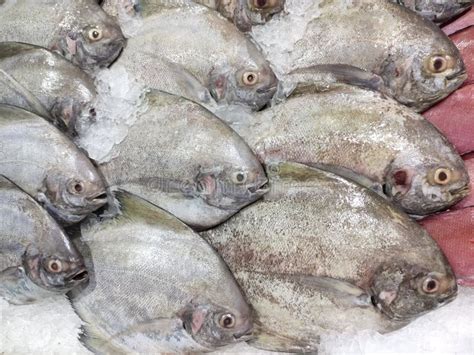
(78, 188)
(261, 3)
(240, 177)
(438, 64)
(95, 34)
(431, 285)
(442, 176)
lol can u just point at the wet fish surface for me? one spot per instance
(183, 159)
(37, 260)
(211, 64)
(435, 10)
(40, 81)
(415, 61)
(78, 29)
(366, 137)
(43, 162)
(319, 253)
(243, 13)
(157, 286)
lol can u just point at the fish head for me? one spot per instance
(403, 292)
(438, 11)
(71, 195)
(95, 41)
(422, 76)
(57, 269)
(251, 84)
(214, 326)
(428, 185)
(230, 187)
(246, 13)
(69, 111)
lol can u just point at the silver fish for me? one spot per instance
(183, 159)
(319, 253)
(78, 29)
(35, 77)
(212, 63)
(37, 260)
(156, 287)
(366, 137)
(438, 11)
(416, 62)
(43, 162)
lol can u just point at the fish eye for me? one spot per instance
(250, 78)
(54, 266)
(263, 4)
(442, 176)
(94, 34)
(438, 63)
(239, 177)
(76, 187)
(227, 321)
(430, 285)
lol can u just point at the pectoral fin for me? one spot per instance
(32, 101)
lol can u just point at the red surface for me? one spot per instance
(464, 21)
(454, 117)
(454, 232)
(464, 40)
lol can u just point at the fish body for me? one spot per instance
(366, 137)
(156, 287)
(417, 63)
(37, 260)
(43, 162)
(195, 53)
(319, 254)
(183, 159)
(61, 88)
(78, 29)
(435, 10)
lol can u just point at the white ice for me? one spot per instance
(52, 327)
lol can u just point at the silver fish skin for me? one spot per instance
(366, 137)
(319, 253)
(418, 64)
(212, 64)
(185, 160)
(243, 13)
(78, 29)
(61, 88)
(156, 287)
(37, 260)
(43, 162)
(435, 10)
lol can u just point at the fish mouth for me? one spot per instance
(78, 277)
(244, 336)
(459, 75)
(98, 200)
(461, 192)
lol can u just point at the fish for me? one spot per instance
(37, 259)
(156, 286)
(247, 13)
(364, 136)
(416, 62)
(437, 11)
(182, 158)
(320, 253)
(214, 64)
(36, 77)
(79, 30)
(44, 163)
(243, 13)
